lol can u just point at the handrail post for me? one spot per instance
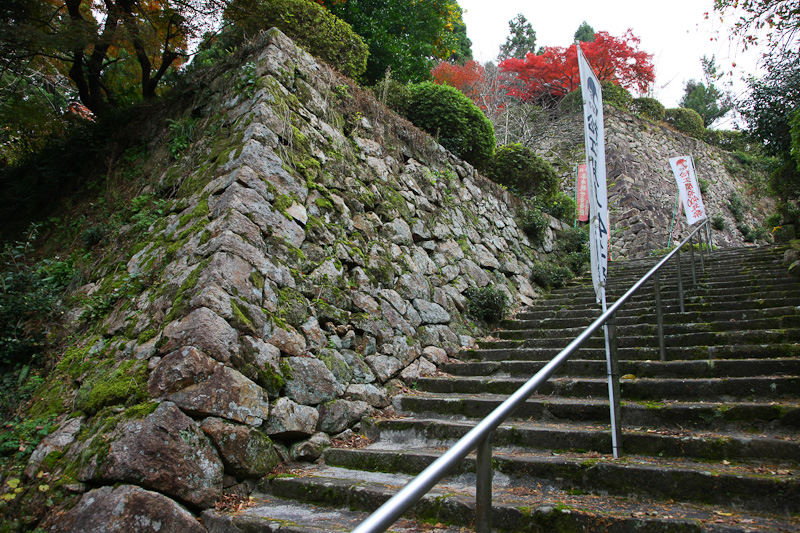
(662, 351)
(702, 262)
(483, 486)
(691, 255)
(613, 385)
(710, 240)
(680, 280)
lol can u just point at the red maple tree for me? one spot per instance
(467, 78)
(555, 71)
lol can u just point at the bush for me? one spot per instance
(573, 248)
(562, 207)
(522, 171)
(718, 223)
(736, 207)
(487, 303)
(686, 121)
(310, 25)
(394, 95)
(29, 293)
(613, 94)
(534, 223)
(616, 95)
(649, 108)
(550, 276)
(451, 117)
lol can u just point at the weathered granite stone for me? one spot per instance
(167, 452)
(419, 368)
(337, 415)
(431, 313)
(384, 366)
(369, 393)
(290, 420)
(178, 370)
(435, 355)
(245, 451)
(225, 393)
(309, 381)
(311, 449)
(206, 330)
(54, 442)
(289, 341)
(126, 508)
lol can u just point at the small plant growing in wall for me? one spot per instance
(550, 276)
(487, 303)
(534, 223)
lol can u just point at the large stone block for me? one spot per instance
(167, 452)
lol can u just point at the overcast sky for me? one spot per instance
(675, 32)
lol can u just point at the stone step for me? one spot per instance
(520, 506)
(691, 340)
(708, 368)
(763, 279)
(583, 438)
(646, 325)
(729, 317)
(736, 294)
(763, 387)
(674, 479)
(710, 415)
(514, 351)
(670, 309)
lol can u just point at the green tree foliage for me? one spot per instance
(112, 51)
(407, 36)
(779, 20)
(705, 98)
(310, 25)
(521, 39)
(584, 33)
(686, 121)
(517, 167)
(772, 98)
(451, 117)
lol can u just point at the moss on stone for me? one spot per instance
(241, 320)
(126, 384)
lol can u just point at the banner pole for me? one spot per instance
(674, 215)
(612, 368)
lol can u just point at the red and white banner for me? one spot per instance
(683, 168)
(582, 193)
(594, 138)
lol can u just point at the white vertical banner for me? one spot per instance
(683, 168)
(596, 173)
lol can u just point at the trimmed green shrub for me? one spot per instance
(562, 207)
(649, 108)
(451, 117)
(310, 25)
(616, 95)
(686, 121)
(613, 94)
(522, 171)
(487, 303)
(718, 223)
(534, 223)
(550, 276)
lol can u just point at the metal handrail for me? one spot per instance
(480, 436)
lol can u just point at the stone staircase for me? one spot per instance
(711, 437)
